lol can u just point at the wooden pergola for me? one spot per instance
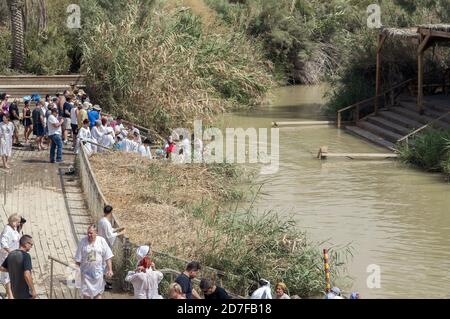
(424, 37)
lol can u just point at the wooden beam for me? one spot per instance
(423, 45)
(381, 39)
(301, 123)
(420, 82)
(435, 33)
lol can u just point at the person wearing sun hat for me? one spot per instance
(82, 113)
(142, 251)
(94, 115)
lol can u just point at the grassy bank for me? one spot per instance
(430, 151)
(183, 210)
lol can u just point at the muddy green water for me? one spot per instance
(394, 216)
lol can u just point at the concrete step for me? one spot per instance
(417, 117)
(428, 111)
(370, 137)
(380, 131)
(42, 79)
(388, 125)
(400, 119)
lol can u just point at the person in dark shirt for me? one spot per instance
(15, 118)
(67, 108)
(185, 280)
(38, 126)
(211, 291)
(18, 266)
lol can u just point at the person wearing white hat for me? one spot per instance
(141, 252)
(97, 133)
(263, 292)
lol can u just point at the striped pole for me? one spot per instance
(327, 270)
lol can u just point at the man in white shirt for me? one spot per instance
(105, 228)
(54, 133)
(94, 257)
(106, 231)
(74, 124)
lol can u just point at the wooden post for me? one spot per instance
(420, 83)
(381, 39)
(339, 120)
(327, 271)
(357, 113)
(420, 69)
(51, 278)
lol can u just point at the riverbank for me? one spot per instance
(430, 151)
(185, 210)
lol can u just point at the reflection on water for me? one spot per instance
(394, 216)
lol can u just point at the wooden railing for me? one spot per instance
(52, 260)
(385, 99)
(420, 129)
(124, 249)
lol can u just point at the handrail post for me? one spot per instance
(327, 270)
(357, 113)
(339, 120)
(51, 278)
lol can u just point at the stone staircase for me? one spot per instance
(393, 123)
(19, 86)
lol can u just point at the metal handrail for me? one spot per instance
(53, 259)
(98, 145)
(371, 99)
(406, 137)
(139, 127)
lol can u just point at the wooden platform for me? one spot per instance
(302, 123)
(324, 154)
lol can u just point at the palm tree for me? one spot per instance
(18, 48)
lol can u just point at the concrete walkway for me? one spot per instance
(54, 207)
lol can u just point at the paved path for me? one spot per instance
(34, 188)
(54, 207)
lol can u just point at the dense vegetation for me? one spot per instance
(310, 41)
(429, 150)
(189, 212)
(154, 62)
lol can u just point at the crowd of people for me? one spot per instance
(54, 120)
(70, 114)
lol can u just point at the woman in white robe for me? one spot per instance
(6, 137)
(97, 133)
(9, 241)
(108, 138)
(145, 280)
(144, 149)
(84, 134)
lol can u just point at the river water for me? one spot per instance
(393, 216)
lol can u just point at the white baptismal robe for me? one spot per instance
(92, 259)
(145, 284)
